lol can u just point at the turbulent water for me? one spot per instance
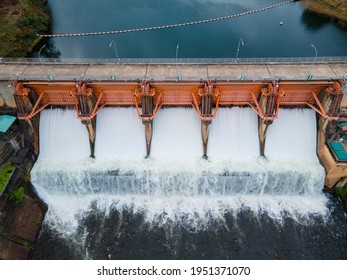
(176, 204)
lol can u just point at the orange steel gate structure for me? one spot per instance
(264, 97)
(205, 97)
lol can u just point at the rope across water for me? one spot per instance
(166, 26)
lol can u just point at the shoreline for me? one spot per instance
(20, 21)
(335, 9)
(21, 215)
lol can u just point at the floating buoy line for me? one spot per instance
(166, 26)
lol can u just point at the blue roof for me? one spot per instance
(337, 146)
(5, 122)
(339, 150)
(341, 155)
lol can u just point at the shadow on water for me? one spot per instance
(46, 45)
(314, 21)
(242, 235)
(47, 50)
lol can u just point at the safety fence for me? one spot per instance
(321, 59)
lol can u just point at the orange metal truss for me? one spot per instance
(43, 95)
(307, 94)
(238, 93)
(210, 94)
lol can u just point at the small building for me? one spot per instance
(9, 138)
(338, 150)
(333, 154)
(6, 122)
(338, 144)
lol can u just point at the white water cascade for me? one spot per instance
(234, 134)
(121, 134)
(175, 184)
(62, 137)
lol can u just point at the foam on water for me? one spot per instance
(174, 186)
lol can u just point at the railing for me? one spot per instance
(86, 78)
(178, 60)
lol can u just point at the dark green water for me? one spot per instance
(123, 235)
(262, 33)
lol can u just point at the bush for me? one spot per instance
(342, 192)
(4, 175)
(19, 26)
(17, 196)
(35, 2)
(24, 21)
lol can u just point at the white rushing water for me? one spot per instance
(234, 134)
(292, 136)
(176, 184)
(176, 134)
(62, 137)
(120, 134)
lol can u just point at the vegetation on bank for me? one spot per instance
(4, 175)
(342, 193)
(17, 196)
(20, 21)
(333, 8)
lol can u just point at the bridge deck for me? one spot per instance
(188, 72)
(175, 82)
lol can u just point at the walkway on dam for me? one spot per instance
(164, 72)
(188, 72)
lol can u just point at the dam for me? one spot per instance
(183, 153)
(147, 88)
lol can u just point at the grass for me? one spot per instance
(4, 175)
(20, 21)
(17, 196)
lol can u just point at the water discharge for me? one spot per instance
(175, 187)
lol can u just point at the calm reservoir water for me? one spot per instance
(175, 205)
(262, 34)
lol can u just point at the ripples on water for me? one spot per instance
(262, 34)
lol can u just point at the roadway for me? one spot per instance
(233, 71)
(159, 72)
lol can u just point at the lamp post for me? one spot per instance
(115, 48)
(40, 52)
(315, 49)
(238, 48)
(176, 57)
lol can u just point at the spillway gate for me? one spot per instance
(147, 97)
